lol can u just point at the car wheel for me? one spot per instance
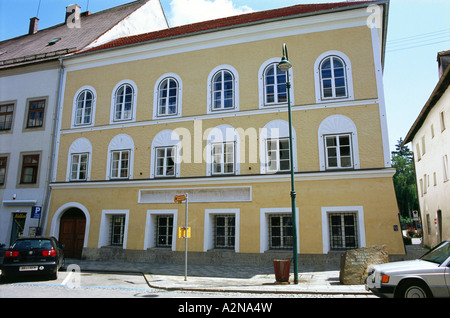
(414, 289)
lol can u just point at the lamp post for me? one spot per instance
(284, 66)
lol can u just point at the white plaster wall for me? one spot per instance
(19, 87)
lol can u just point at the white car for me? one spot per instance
(428, 276)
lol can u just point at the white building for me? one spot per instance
(430, 138)
(30, 79)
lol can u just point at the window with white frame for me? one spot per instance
(164, 230)
(168, 97)
(223, 158)
(343, 231)
(84, 107)
(333, 77)
(223, 90)
(280, 231)
(120, 163)
(124, 103)
(165, 162)
(278, 155)
(338, 143)
(338, 151)
(224, 231)
(79, 167)
(275, 90)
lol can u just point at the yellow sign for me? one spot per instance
(179, 198)
(182, 233)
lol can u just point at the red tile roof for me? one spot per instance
(232, 21)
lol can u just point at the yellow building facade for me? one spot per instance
(203, 112)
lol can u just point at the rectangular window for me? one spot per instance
(338, 151)
(30, 166)
(278, 155)
(6, 116)
(165, 162)
(3, 162)
(445, 162)
(442, 120)
(224, 231)
(117, 229)
(223, 158)
(343, 231)
(36, 111)
(164, 230)
(120, 164)
(280, 236)
(79, 167)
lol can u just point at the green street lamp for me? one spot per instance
(284, 66)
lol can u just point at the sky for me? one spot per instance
(417, 31)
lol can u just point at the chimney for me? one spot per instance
(33, 25)
(72, 15)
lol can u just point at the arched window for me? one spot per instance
(272, 84)
(165, 162)
(167, 96)
(124, 102)
(333, 77)
(275, 147)
(120, 158)
(223, 89)
(338, 143)
(222, 151)
(84, 107)
(79, 160)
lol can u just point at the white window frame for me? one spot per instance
(165, 138)
(105, 226)
(132, 118)
(75, 107)
(275, 129)
(121, 142)
(318, 77)
(120, 152)
(262, 86)
(264, 223)
(78, 166)
(277, 151)
(222, 134)
(223, 155)
(150, 227)
(79, 146)
(337, 125)
(156, 91)
(338, 151)
(359, 210)
(165, 165)
(208, 241)
(210, 89)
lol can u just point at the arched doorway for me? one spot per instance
(72, 228)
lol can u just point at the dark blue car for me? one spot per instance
(33, 256)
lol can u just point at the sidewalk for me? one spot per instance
(231, 278)
(315, 279)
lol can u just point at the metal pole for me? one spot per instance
(186, 239)
(293, 194)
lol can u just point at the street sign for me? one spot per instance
(179, 198)
(416, 215)
(36, 212)
(182, 233)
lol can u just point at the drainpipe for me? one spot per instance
(53, 149)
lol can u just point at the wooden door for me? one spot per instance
(71, 234)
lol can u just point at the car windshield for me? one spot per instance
(31, 244)
(438, 254)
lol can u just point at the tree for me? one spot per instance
(404, 179)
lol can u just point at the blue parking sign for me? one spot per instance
(36, 212)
